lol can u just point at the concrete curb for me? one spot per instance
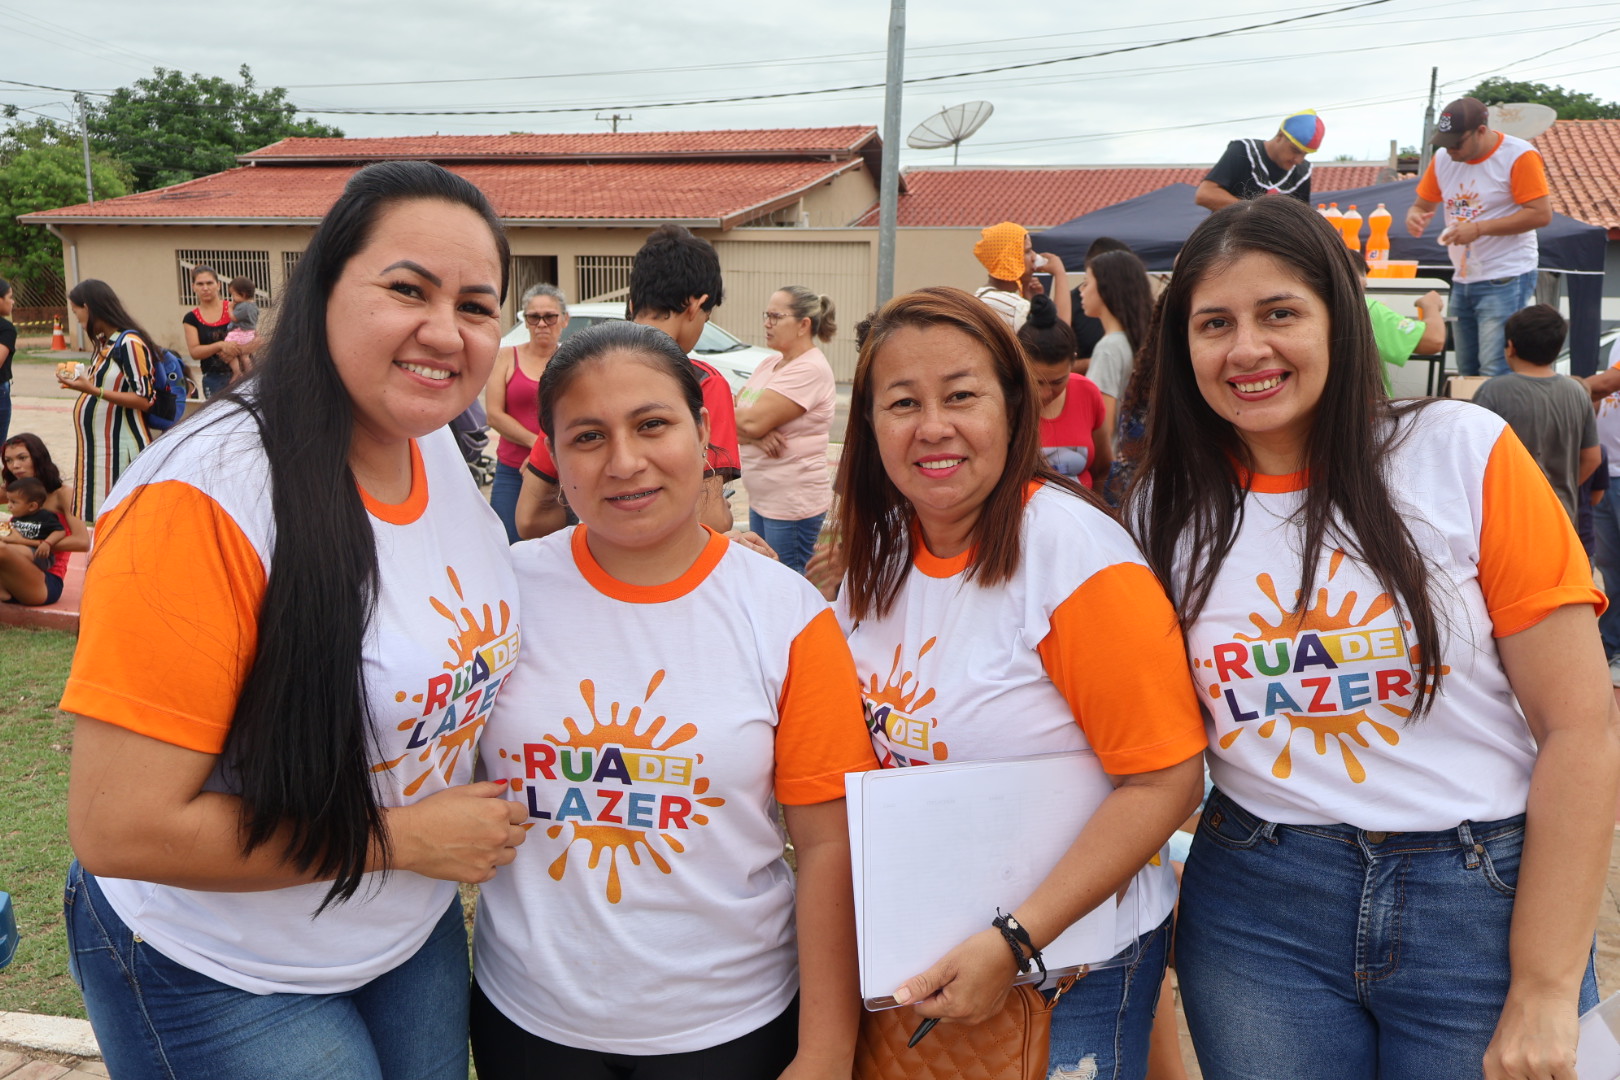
(64, 1035)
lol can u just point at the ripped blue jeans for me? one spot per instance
(1101, 1027)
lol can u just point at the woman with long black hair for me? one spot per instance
(1117, 292)
(109, 419)
(271, 810)
(1393, 629)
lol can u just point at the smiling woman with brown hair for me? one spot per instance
(1035, 626)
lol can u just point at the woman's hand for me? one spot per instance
(82, 384)
(772, 443)
(801, 1069)
(968, 984)
(753, 542)
(1534, 1040)
(826, 567)
(460, 834)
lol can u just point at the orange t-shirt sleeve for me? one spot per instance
(1428, 188)
(1529, 178)
(1115, 653)
(169, 622)
(1530, 561)
(821, 728)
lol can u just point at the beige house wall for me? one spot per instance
(139, 262)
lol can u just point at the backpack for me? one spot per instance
(169, 387)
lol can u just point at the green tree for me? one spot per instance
(44, 177)
(174, 127)
(1571, 104)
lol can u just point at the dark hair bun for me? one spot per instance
(1043, 312)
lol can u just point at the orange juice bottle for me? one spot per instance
(1334, 218)
(1351, 226)
(1378, 223)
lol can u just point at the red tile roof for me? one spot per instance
(717, 193)
(1042, 198)
(769, 142)
(1583, 169)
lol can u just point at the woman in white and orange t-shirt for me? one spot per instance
(994, 609)
(1392, 627)
(685, 686)
(297, 617)
(784, 418)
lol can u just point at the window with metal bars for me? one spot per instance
(602, 277)
(253, 265)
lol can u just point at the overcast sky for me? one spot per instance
(1365, 70)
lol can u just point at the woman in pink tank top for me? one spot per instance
(512, 398)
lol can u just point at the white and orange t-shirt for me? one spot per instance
(650, 910)
(183, 552)
(1079, 650)
(1308, 712)
(1494, 186)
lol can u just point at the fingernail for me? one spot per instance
(903, 995)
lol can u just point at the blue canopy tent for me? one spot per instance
(1155, 226)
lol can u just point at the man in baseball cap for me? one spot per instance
(1275, 166)
(1494, 189)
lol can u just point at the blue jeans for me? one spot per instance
(503, 496)
(215, 382)
(1481, 309)
(158, 1020)
(1606, 553)
(1101, 1027)
(793, 541)
(1322, 952)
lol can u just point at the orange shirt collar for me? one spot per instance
(936, 567)
(402, 513)
(613, 588)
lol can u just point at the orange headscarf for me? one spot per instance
(1001, 250)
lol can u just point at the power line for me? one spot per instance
(858, 86)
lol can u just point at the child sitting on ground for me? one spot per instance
(31, 524)
(1550, 413)
(244, 328)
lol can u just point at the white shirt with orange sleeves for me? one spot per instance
(651, 734)
(190, 525)
(1079, 650)
(1308, 713)
(1494, 186)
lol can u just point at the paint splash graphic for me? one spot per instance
(892, 708)
(472, 633)
(1346, 730)
(624, 728)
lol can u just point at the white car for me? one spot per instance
(734, 359)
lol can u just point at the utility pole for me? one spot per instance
(1425, 152)
(889, 181)
(84, 135)
(615, 118)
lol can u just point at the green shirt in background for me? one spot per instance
(1396, 335)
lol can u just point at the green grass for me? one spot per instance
(35, 740)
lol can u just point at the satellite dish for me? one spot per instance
(1523, 120)
(950, 127)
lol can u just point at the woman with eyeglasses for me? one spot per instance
(512, 398)
(784, 419)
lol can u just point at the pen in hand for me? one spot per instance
(922, 1029)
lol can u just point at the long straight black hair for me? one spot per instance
(1196, 471)
(300, 746)
(108, 313)
(1124, 289)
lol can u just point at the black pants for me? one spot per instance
(504, 1051)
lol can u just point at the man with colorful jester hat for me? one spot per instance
(1275, 166)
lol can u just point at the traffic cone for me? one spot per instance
(58, 339)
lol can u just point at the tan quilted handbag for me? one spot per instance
(1011, 1045)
